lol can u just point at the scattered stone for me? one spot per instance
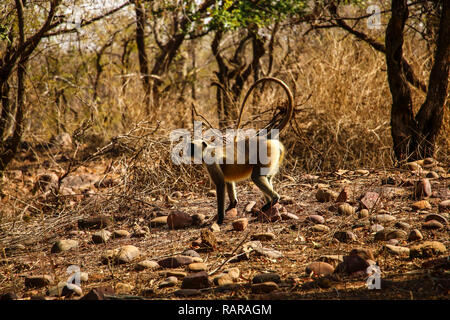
(402, 225)
(345, 236)
(333, 259)
(397, 250)
(427, 249)
(365, 254)
(326, 195)
(231, 214)
(415, 235)
(346, 210)
(376, 228)
(383, 218)
(215, 227)
(315, 218)
(176, 273)
(178, 220)
(267, 236)
(127, 254)
(234, 273)
(264, 287)
(95, 222)
(208, 240)
(444, 206)
(197, 266)
(197, 280)
(249, 206)
(120, 234)
(369, 200)
(240, 224)
(101, 236)
(168, 282)
(396, 234)
(98, 293)
(363, 213)
(436, 217)
(38, 281)
(319, 268)
(176, 261)
(191, 253)
(288, 216)
(345, 195)
(198, 219)
(432, 225)
(432, 175)
(270, 253)
(266, 277)
(422, 189)
(320, 228)
(147, 264)
(351, 264)
(186, 293)
(63, 245)
(421, 205)
(392, 242)
(270, 215)
(222, 279)
(158, 222)
(413, 166)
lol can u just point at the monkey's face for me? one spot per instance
(195, 149)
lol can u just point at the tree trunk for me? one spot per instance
(414, 137)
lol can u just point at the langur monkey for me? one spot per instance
(224, 173)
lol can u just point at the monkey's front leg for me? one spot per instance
(231, 190)
(220, 191)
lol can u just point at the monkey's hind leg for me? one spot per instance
(231, 190)
(264, 184)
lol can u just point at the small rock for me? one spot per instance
(320, 228)
(191, 253)
(158, 222)
(168, 282)
(369, 200)
(346, 209)
(64, 245)
(413, 166)
(185, 293)
(101, 236)
(432, 225)
(432, 175)
(396, 234)
(249, 206)
(176, 273)
(127, 254)
(178, 220)
(197, 266)
(392, 242)
(267, 236)
(351, 264)
(197, 280)
(397, 250)
(423, 189)
(270, 253)
(365, 254)
(421, 205)
(402, 225)
(288, 216)
(215, 227)
(234, 273)
(436, 217)
(345, 195)
(363, 213)
(415, 235)
(345, 236)
(427, 249)
(444, 206)
(240, 224)
(121, 234)
(222, 279)
(147, 264)
(98, 293)
(315, 218)
(326, 195)
(383, 218)
(264, 287)
(198, 219)
(176, 261)
(376, 228)
(266, 277)
(270, 215)
(319, 268)
(38, 281)
(95, 222)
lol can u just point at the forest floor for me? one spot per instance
(410, 252)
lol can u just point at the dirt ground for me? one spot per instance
(32, 223)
